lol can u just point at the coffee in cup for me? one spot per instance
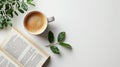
(36, 22)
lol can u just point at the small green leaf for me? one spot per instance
(15, 13)
(55, 49)
(1, 26)
(24, 6)
(6, 24)
(1, 12)
(10, 24)
(11, 15)
(1, 6)
(65, 45)
(61, 37)
(9, 11)
(7, 19)
(3, 0)
(13, 3)
(1, 18)
(17, 5)
(30, 2)
(7, 6)
(20, 10)
(50, 37)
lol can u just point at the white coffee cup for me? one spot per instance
(29, 27)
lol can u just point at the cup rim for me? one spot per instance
(41, 31)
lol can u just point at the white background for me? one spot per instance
(92, 28)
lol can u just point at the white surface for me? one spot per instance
(93, 30)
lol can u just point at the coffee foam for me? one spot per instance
(35, 22)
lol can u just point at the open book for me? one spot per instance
(19, 51)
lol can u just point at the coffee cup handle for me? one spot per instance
(51, 19)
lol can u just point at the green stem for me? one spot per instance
(51, 44)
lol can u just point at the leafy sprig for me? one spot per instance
(60, 41)
(9, 8)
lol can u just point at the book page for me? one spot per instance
(24, 51)
(5, 61)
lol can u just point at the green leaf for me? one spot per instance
(1, 18)
(55, 49)
(1, 12)
(1, 26)
(9, 11)
(13, 3)
(50, 37)
(7, 6)
(18, 5)
(3, 0)
(11, 15)
(20, 10)
(24, 6)
(61, 37)
(15, 13)
(30, 2)
(6, 24)
(8, 19)
(9, 24)
(65, 45)
(1, 6)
